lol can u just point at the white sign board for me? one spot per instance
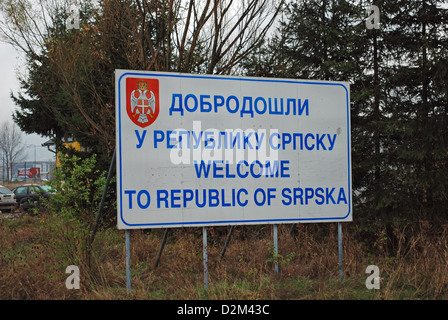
(203, 150)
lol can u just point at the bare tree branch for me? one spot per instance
(11, 145)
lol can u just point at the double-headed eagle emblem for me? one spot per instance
(143, 102)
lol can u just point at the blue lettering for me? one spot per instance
(320, 194)
(275, 110)
(238, 169)
(265, 106)
(205, 103)
(160, 139)
(213, 196)
(303, 196)
(341, 196)
(204, 198)
(244, 203)
(260, 171)
(331, 141)
(228, 174)
(216, 169)
(237, 104)
(286, 139)
(303, 107)
(220, 103)
(140, 139)
(224, 204)
(202, 168)
(197, 139)
(148, 199)
(191, 96)
(307, 146)
(284, 167)
(130, 193)
(309, 194)
(271, 172)
(263, 197)
(188, 196)
(270, 141)
(271, 195)
(286, 196)
(320, 142)
(329, 195)
(259, 140)
(169, 139)
(246, 141)
(175, 198)
(298, 193)
(173, 107)
(162, 195)
(295, 137)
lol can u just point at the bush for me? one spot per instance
(80, 185)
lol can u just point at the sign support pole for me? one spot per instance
(205, 257)
(291, 230)
(103, 198)
(128, 265)
(340, 248)
(227, 242)
(162, 245)
(276, 249)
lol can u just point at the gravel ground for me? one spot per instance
(13, 215)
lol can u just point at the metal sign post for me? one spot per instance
(205, 257)
(224, 249)
(340, 248)
(275, 250)
(128, 262)
(162, 245)
(103, 198)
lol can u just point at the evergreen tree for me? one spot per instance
(398, 91)
(417, 104)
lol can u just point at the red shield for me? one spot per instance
(142, 100)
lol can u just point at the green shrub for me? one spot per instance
(79, 185)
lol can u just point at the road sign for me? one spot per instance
(203, 150)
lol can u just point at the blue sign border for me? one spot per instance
(228, 222)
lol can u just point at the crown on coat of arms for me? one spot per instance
(142, 85)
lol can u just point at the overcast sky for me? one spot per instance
(10, 62)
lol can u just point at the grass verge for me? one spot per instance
(36, 250)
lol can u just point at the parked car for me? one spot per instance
(49, 189)
(7, 199)
(28, 196)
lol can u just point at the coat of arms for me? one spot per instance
(142, 100)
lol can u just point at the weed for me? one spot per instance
(35, 250)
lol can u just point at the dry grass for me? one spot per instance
(35, 250)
